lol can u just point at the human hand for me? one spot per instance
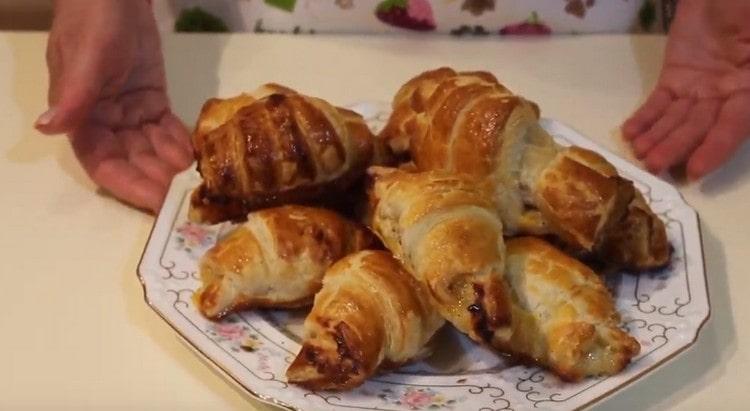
(699, 112)
(108, 93)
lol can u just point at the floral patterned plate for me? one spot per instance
(664, 310)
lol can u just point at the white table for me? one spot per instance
(75, 330)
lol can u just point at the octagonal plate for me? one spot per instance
(664, 310)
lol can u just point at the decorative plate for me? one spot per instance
(664, 310)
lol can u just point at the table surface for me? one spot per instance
(76, 332)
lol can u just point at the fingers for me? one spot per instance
(141, 153)
(178, 131)
(154, 168)
(645, 116)
(672, 118)
(678, 144)
(132, 108)
(127, 182)
(731, 129)
(75, 88)
(168, 147)
(125, 164)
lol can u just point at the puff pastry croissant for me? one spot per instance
(563, 316)
(470, 123)
(216, 111)
(370, 314)
(281, 147)
(444, 229)
(275, 259)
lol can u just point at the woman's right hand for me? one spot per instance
(699, 112)
(108, 94)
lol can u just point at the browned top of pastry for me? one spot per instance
(370, 314)
(430, 110)
(418, 194)
(563, 316)
(215, 111)
(444, 228)
(582, 196)
(276, 259)
(283, 147)
(321, 233)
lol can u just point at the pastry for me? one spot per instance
(469, 123)
(444, 229)
(370, 315)
(563, 316)
(276, 259)
(281, 148)
(215, 111)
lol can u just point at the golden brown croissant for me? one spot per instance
(275, 259)
(563, 316)
(216, 112)
(469, 123)
(370, 314)
(281, 148)
(412, 99)
(444, 229)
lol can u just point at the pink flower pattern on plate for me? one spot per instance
(228, 331)
(193, 238)
(417, 398)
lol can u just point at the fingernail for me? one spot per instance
(46, 118)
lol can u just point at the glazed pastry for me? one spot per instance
(469, 123)
(411, 100)
(370, 314)
(276, 259)
(444, 229)
(216, 111)
(580, 196)
(563, 316)
(281, 148)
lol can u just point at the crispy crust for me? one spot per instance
(370, 315)
(563, 317)
(281, 148)
(276, 259)
(582, 197)
(471, 124)
(443, 227)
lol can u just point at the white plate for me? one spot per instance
(664, 311)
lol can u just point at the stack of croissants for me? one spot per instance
(462, 209)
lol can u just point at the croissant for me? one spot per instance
(283, 147)
(370, 314)
(412, 99)
(444, 229)
(216, 112)
(563, 316)
(469, 123)
(276, 259)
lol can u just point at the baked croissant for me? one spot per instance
(370, 314)
(469, 123)
(276, 259)
(281, 148)
(444, 229)
(563, 316)
(215, 112)
(412, 99)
